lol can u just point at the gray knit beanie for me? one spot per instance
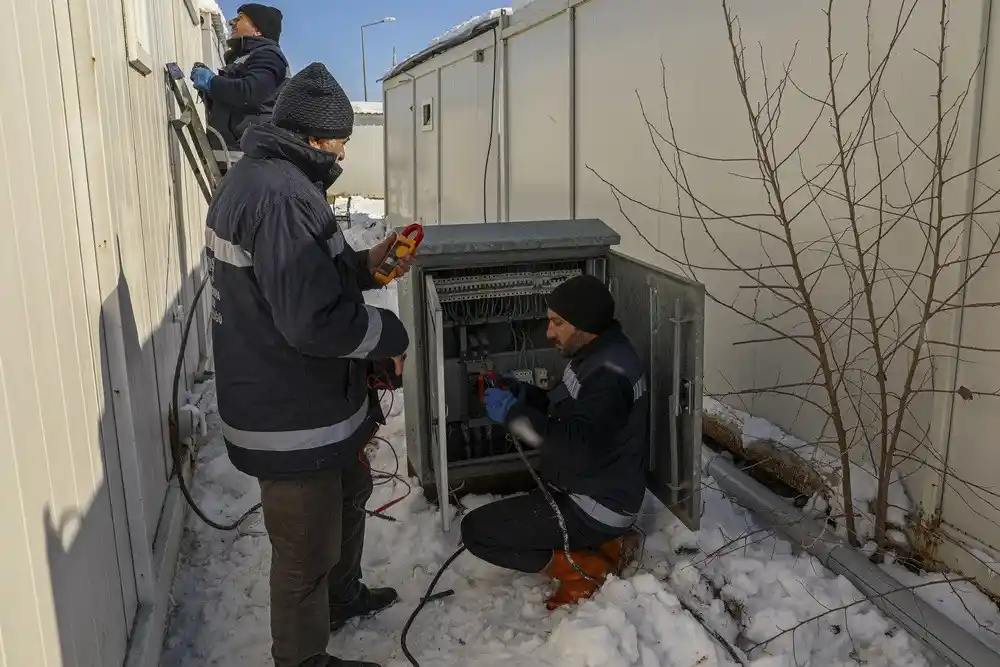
(314, 104)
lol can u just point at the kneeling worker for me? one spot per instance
(591, 429)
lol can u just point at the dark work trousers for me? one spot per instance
(316, 525)
(520, 533)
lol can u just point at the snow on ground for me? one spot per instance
(864, 482)
(961, 601)
(753, 588)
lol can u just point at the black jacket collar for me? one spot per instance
(614, 334)
(266, 141)
(239, 46)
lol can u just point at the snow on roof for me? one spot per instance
(462, 32)
(218, 18)
(210, 6)
(469, 25)
(367, 108)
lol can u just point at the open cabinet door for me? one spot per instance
(663, 315)
(437, 406)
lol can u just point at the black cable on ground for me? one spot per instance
(201, 515)
(429, 596)
(175, 442)
(733, 652)
(553, 504)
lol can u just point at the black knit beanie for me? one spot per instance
(267, 19)
(313, 103)
(585, 302)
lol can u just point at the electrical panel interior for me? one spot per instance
(475, 303)
(494, 324)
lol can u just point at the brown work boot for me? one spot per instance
(573, 586)
(620, 551)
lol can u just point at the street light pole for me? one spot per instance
(364, 68)
(364, 71)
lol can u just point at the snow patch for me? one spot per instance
(469, 24)
(750, 586)
(864, 485)
(367, 108)
(210, 6)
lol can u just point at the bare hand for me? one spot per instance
(398, 363)
(377, 255)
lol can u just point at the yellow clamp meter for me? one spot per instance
(404, 245)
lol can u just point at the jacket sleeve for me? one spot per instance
(265, 72)
(366, 279)
(536, 397)
(600, 410)
(358, 261)
(302, 285)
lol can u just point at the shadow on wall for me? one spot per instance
(90, 550)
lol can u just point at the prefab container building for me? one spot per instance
(102, 221)
(364, 169)
(442, 147)
(559, 111)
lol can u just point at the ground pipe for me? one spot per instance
(953, 643)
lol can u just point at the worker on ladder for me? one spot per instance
(592, 433)
(244, 91)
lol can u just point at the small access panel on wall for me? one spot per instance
(427, 115)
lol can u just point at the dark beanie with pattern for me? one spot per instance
(267, 19)
(313, 103)
(585, 302)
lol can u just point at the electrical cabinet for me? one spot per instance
(475, 306)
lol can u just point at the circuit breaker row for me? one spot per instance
(504, 285)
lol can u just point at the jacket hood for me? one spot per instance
(269, 142)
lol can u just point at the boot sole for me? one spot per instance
(334, 627)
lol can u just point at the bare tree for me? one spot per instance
(846, 299)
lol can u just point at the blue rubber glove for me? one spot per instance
(202, 77)
(514, 386)
(498, 403)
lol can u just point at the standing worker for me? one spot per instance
(243, 93)
(592, 431)
(295, 345)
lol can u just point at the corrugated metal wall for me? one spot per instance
(93, 264)
(400, 200)
(572, 75)
(443, 152)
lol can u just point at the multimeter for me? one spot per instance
(405, 244)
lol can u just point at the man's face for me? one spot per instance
(242, 26)
(566, 337)
(336, 146)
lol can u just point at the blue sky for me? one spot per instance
(329, 31)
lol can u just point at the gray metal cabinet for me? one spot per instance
(474, 304)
